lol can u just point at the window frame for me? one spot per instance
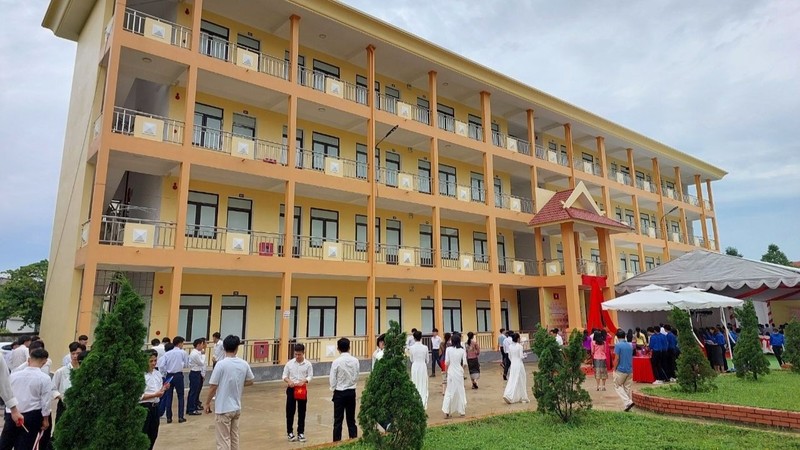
(324, 309)
(196, 224)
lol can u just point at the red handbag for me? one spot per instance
(300, 392)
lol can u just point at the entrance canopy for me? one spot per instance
(658, 298)
(730, 276)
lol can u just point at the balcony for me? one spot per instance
(591, 267)
(332, 86)
(518, 266)
(402, 255)
(132, 232)
(330, 165)
(157, 29)
(651, 231)
(224, 240)
(465, 261)
(677, 237)
(669, 192)
(321, 248)
(147, 126)
(511, 143)
(247, 58)
(589, 167)
(555, 157)
(619, 177)
(691, 199)
(239, 146)
(448, 123)
(645, 185)
(401, 180)
(514, 203)
(707, 205)
(403, 110)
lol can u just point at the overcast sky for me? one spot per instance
(718, 80)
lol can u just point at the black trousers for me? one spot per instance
(151, 422)
(434, 360)
(778, 351)
(14, 437)
(344, 402)
(670, 360)
(195, 385)
(506, 363)
(177, 386)
(293, 405)
(658, 361)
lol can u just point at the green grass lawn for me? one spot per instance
(597, 430)
(778, 390)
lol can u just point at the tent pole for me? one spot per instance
(727, 335)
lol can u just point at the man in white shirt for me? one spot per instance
(62, 380)
(559, 340)
(7, 394)
(227, 382)
(297, 373)
(197, 372)
(219, 350)
(171, 366)
(377, 355)
(67, 359)
(343, 380)
(506, 360)
(436, 341)
(410, 338)
(20, 354)
(33, 391)
(154, 389)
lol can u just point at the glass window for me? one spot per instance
(390, 98)
(484, 313)
(447, 180)
(201, 215)
(244, 125)
(501, 253)
(207, 127)
(361, 232)
(295, 230)
(234, 315)
(292, 317)
(634, 263)
(394, 311)
(324, 226)
(649, 263)
(248, 42)
(214, 40)
(623, 263)
(239, 214)
(362, 164)
(498, 192)
(452, 315)
(449, 242)
(423, 111)
(194, 316)
(427, 315)
(477, 188)
(392, 168)
(360, 311)
(475, 127)
(323, 145)
(644, 219)
(446, 118)
(322, 70)
(393, 240)
(298, 147)
(426, 245)
(424, 175)
(595, 254)
(321, 316)
(630, 218)
(361, 89)
(480, 247)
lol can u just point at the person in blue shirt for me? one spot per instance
(658, 349)
(672, 352)
(776, 342)
(717, 349)
(623, 369)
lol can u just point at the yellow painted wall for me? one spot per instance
(783, 311)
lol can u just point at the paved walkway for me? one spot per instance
(263, 422)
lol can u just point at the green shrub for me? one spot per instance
(557, 383)
(391, 399)
(748, 358)
(694, 373)
(791, 347)
(103, 409)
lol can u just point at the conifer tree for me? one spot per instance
(694, 372)
(791, 349)
(747, 356)
(391, 399)
(103, 409)
(557, 383)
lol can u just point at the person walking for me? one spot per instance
(343, 379)
(197, 373)
(455, 397)
(436, 341)
(446, 343)
(33, 390)
(418, 353)
(297, 373)
(516, 388)
(599, 357)
(506, 360)
(473, 351)
(500, 339)
(623, 369)
(154, 389)
(227, 382)
(171, 365)
(219, 350)
(776, 341)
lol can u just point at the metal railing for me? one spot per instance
(452, 260)
(395, 178)
(506, 265)
(271, 65)
(308, 159)
(212, 139)
(698, 241)
(651, 231)
(112, 231)
(125, 123)
(216, 47)
(673, 236)
(591, 267)
(541, 152)
(475, 131)
(506, 201)
(446, 122)
(319, 81)
(134, 21)
(589, 167)
(707, 205)
(313, 247)
(390, 254)
(619, 177)
(387, 103)
(670, 192)
(645, 185)
(691, 199)
(270, 152)
(523, 147)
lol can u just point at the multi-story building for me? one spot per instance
(276, 169)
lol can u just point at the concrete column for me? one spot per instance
(637, 223)
(678, 183)
(175, 301)
(699, 189)
(606, 192)
(570, 154)
(371, 205)
(86, 312)
(486, 116)
(571, 276)
(632, 166)
(495, 309)
(438, 310)
(285, 316)
(434, 116)
(714, 217)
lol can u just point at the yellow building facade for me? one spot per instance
(407, 191)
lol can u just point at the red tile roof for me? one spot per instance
(554, 212)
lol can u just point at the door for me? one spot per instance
(424, 176)
(392, 168)
(234, 315)
(426, 245)
(477, 188)
(239, 215)
(447, 180)
(194, 316)
(393, 240)
(324, 146)
(208, 127)
(214, 40)
(295, 231)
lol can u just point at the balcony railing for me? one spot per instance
(591, 267)
(112, 232)
(405, 256)
(589, 167)
(446, 122)
(514, 203)
(541, 152)
(464, 261)
(329, 84)
(511, 143)
(329, 249)
(707, 205)
(141, 23)
(691, 199)
(331, 165)
(270, 152)
(645, 185)
(651, 231)
(619, 177)
(475, 131)
(125, 123)
(518, 266)
(401, 180)
(698, 241)
(248, 58)
(674, 236)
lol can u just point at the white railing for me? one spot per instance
(135, 22)
(619, 177)
(707, 205)
(390, 254)
(308, 159)
(270, 152)
(529, 266)
(541, 152)
(475, 131)
(314, 247)
(645, 185)
(589, 167)
(125, 123)
(326, 83)
(513, 202)
(271, 65)
(690, 199)
(398, 179)
(215, 47)
(445, 122)
(112, 231)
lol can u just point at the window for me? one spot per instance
(446, 117)
(644, 220)
(629, 217)
(292, 320)
(424, 176)
(323, 146)
(361, 89)
(194, 316)
(426, 245)
(390, 98)
(564, 157)
(361, 232)
(392, 168)
(649, 263)
(423, 111)
(475, 128)
(239, 214)
(588, 157)
(322, 70)
(618, 212)
(427, 314)
(639, 176)
(477, 188)
(362, 164)
(669, 185)
(301, 62)
(214, 40)
(324, 226)
(298, 147)
(634, 260)
(244, 125)
(496, 135)
(595, 255)
(501, 253)
(201, 215)
(623, 263)
(451, 309)
(560, 254)
(248, 43)
(447, 180)
(484, 313)
(394, 311)
(498, 192)
(393, 240)
(207, 127)
(360, 313)
(234, 315)
(449, 243)
(676, 227)
(321, 316)
(295, 230)
(480, 246)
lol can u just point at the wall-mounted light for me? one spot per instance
(408, 86)
(175, 186)
(161, 290)
(244, 111)
(186, 11)
(177, 96)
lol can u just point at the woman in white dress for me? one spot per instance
(517, 386)
(455, 397)
(378, 353)
(419, 367)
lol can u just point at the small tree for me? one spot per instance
(776, 256)
(557, 383)
(22, 294)
(391, 398)
(792, 345)
(103, 409)
(733, 251)
(694, 372)
(748, 357)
